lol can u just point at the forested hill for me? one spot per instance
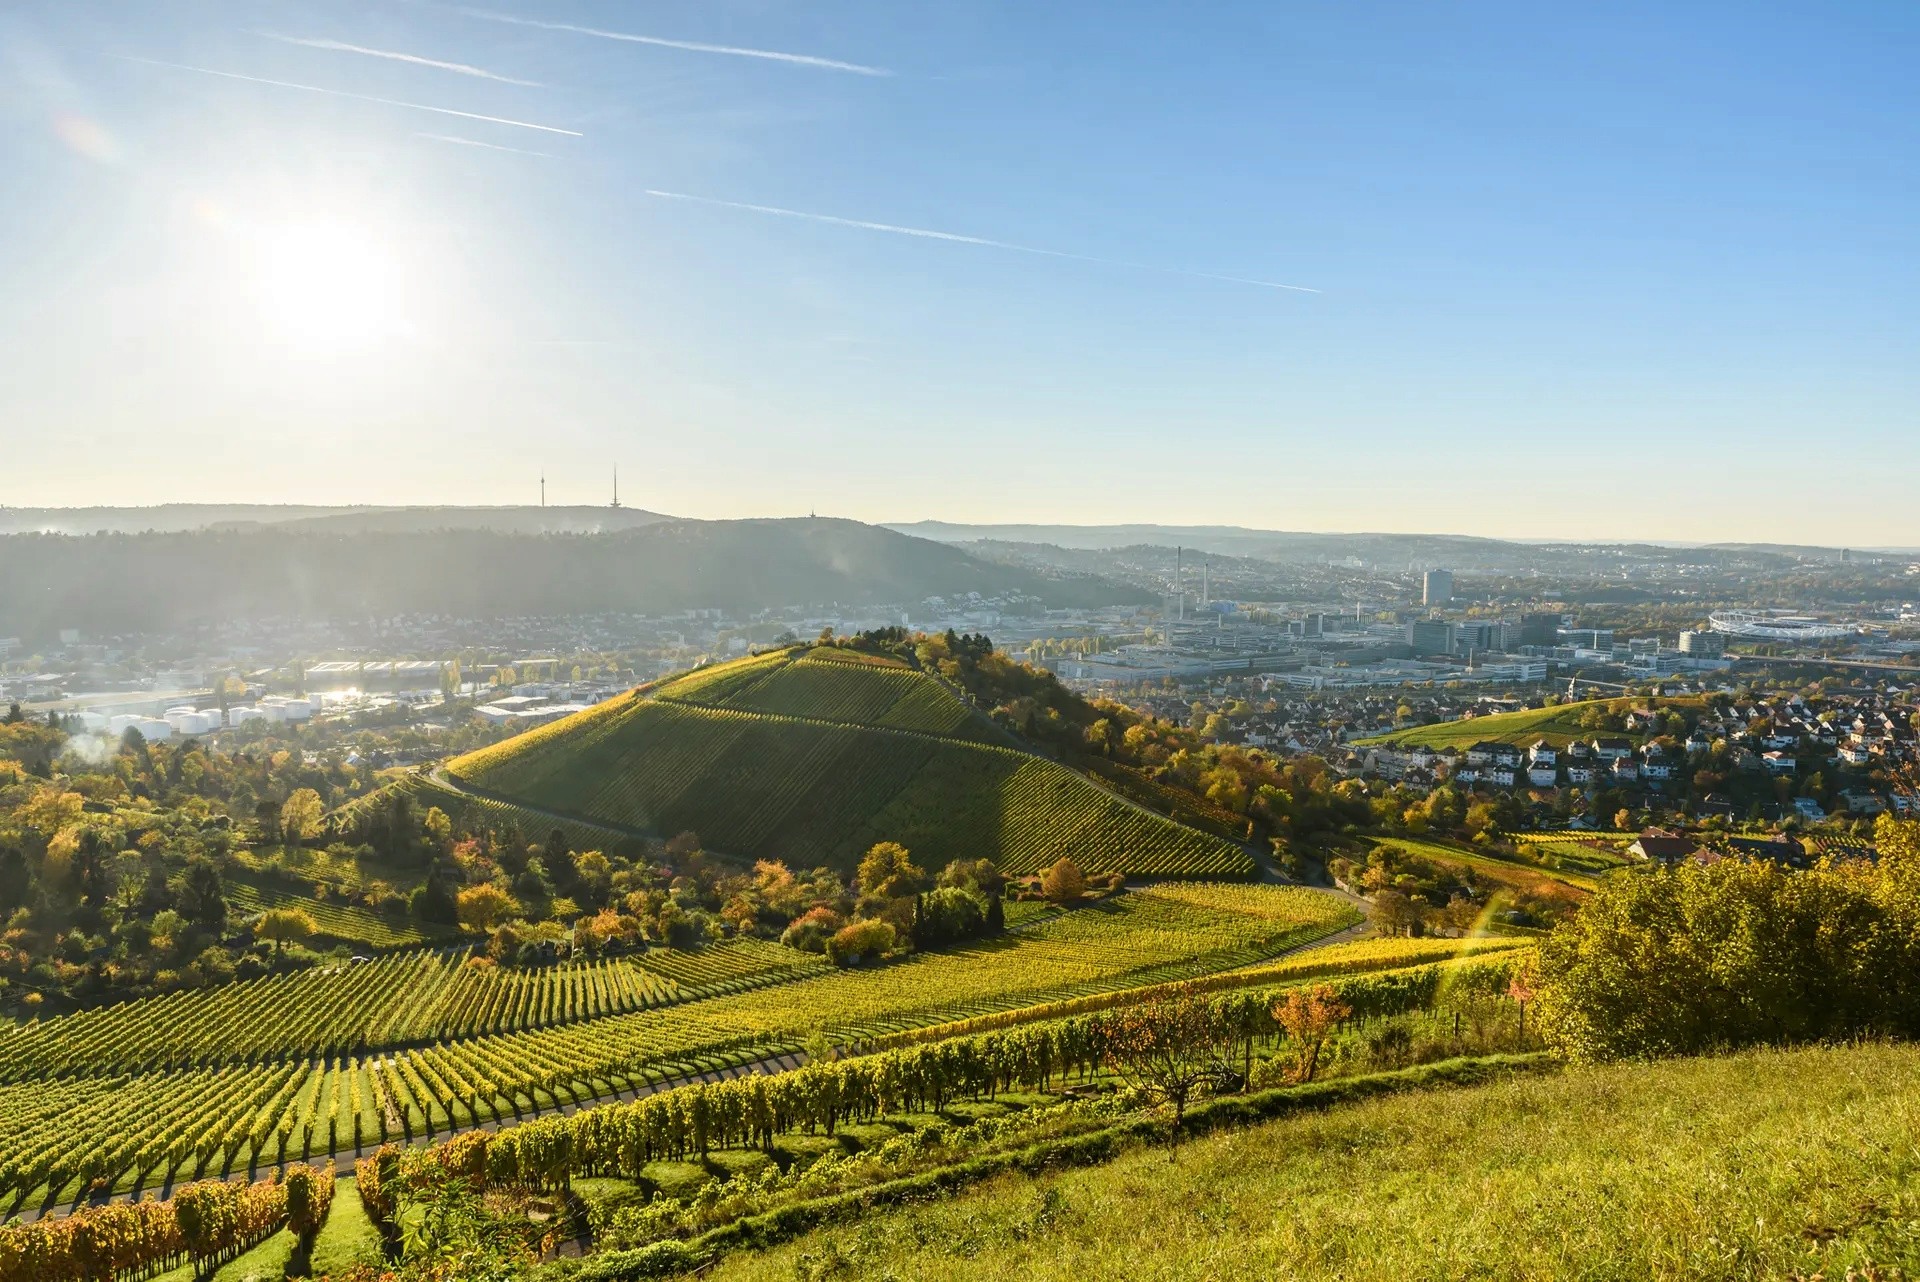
(155, 581)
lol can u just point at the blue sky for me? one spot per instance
(1632, 270)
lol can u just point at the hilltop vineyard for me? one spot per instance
(813, 759)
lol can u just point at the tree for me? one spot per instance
(887, 870)
(1309, 1016)
(1693, 959)
(1395, 913)
(282, 926)
(947, 915)
(481, 908)
(1064, 883)
(861, 941)
(203, 895)
(300, 815)
(1170, 1047)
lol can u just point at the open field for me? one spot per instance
(1761, 1165)
(814, 759)
(1511, 872)
(1558, 726)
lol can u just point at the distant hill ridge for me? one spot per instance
(811, 755)
(157, 581)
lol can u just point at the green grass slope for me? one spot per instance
(813, 755)
(1558, 726)
(1761, 1165)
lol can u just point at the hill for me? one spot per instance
(1766, 1164)
(157, 581)
(813, 754)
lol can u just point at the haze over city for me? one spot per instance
(1498, 268)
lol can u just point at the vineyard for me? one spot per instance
(398, 1000)
(90, 1104)
(482, 814)
(814, 759)
(338, 922)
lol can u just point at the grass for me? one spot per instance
(1765, 1164)
(1559, 726)
(348, 1237)
(1521, 876)
(343, 923)
(813, 760)
(264, 1263)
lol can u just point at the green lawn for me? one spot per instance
(1525, 876)
(1558, 726)
(264, 1263)
(1762, 1165)
(348, 1237)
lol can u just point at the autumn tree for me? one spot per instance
(1308, 1016)
(481, 908)
(888, 871)
(1064, 883)
(1171, 1047)
(300, 815)
(1395, 914)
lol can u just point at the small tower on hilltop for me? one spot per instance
(616, 485)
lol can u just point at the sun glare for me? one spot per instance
(328, 284)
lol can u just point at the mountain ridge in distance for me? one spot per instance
(160, 581)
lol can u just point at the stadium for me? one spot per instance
(1766, 625)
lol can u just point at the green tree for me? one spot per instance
(283, 926)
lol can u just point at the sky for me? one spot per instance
(1641, 270)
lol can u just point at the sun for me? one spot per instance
(323, 284)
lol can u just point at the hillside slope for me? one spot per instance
(1762, 1165)
(132, 582)
(812, 755)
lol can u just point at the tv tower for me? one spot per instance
(543, 487)
(616, 485)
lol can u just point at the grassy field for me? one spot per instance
(813, 759)
(1558, 726)
(1518, 875)
(348, 1238)
(1762, 1165)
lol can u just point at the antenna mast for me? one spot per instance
(616, 485)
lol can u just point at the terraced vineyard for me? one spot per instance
(81, 1109)
(480, 813)
(812, 756)
(396, 1001)
(342, 922)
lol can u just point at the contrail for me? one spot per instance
(691, 46)
(358, 97)
(340, 46)
(957, 238)
(490, 146)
